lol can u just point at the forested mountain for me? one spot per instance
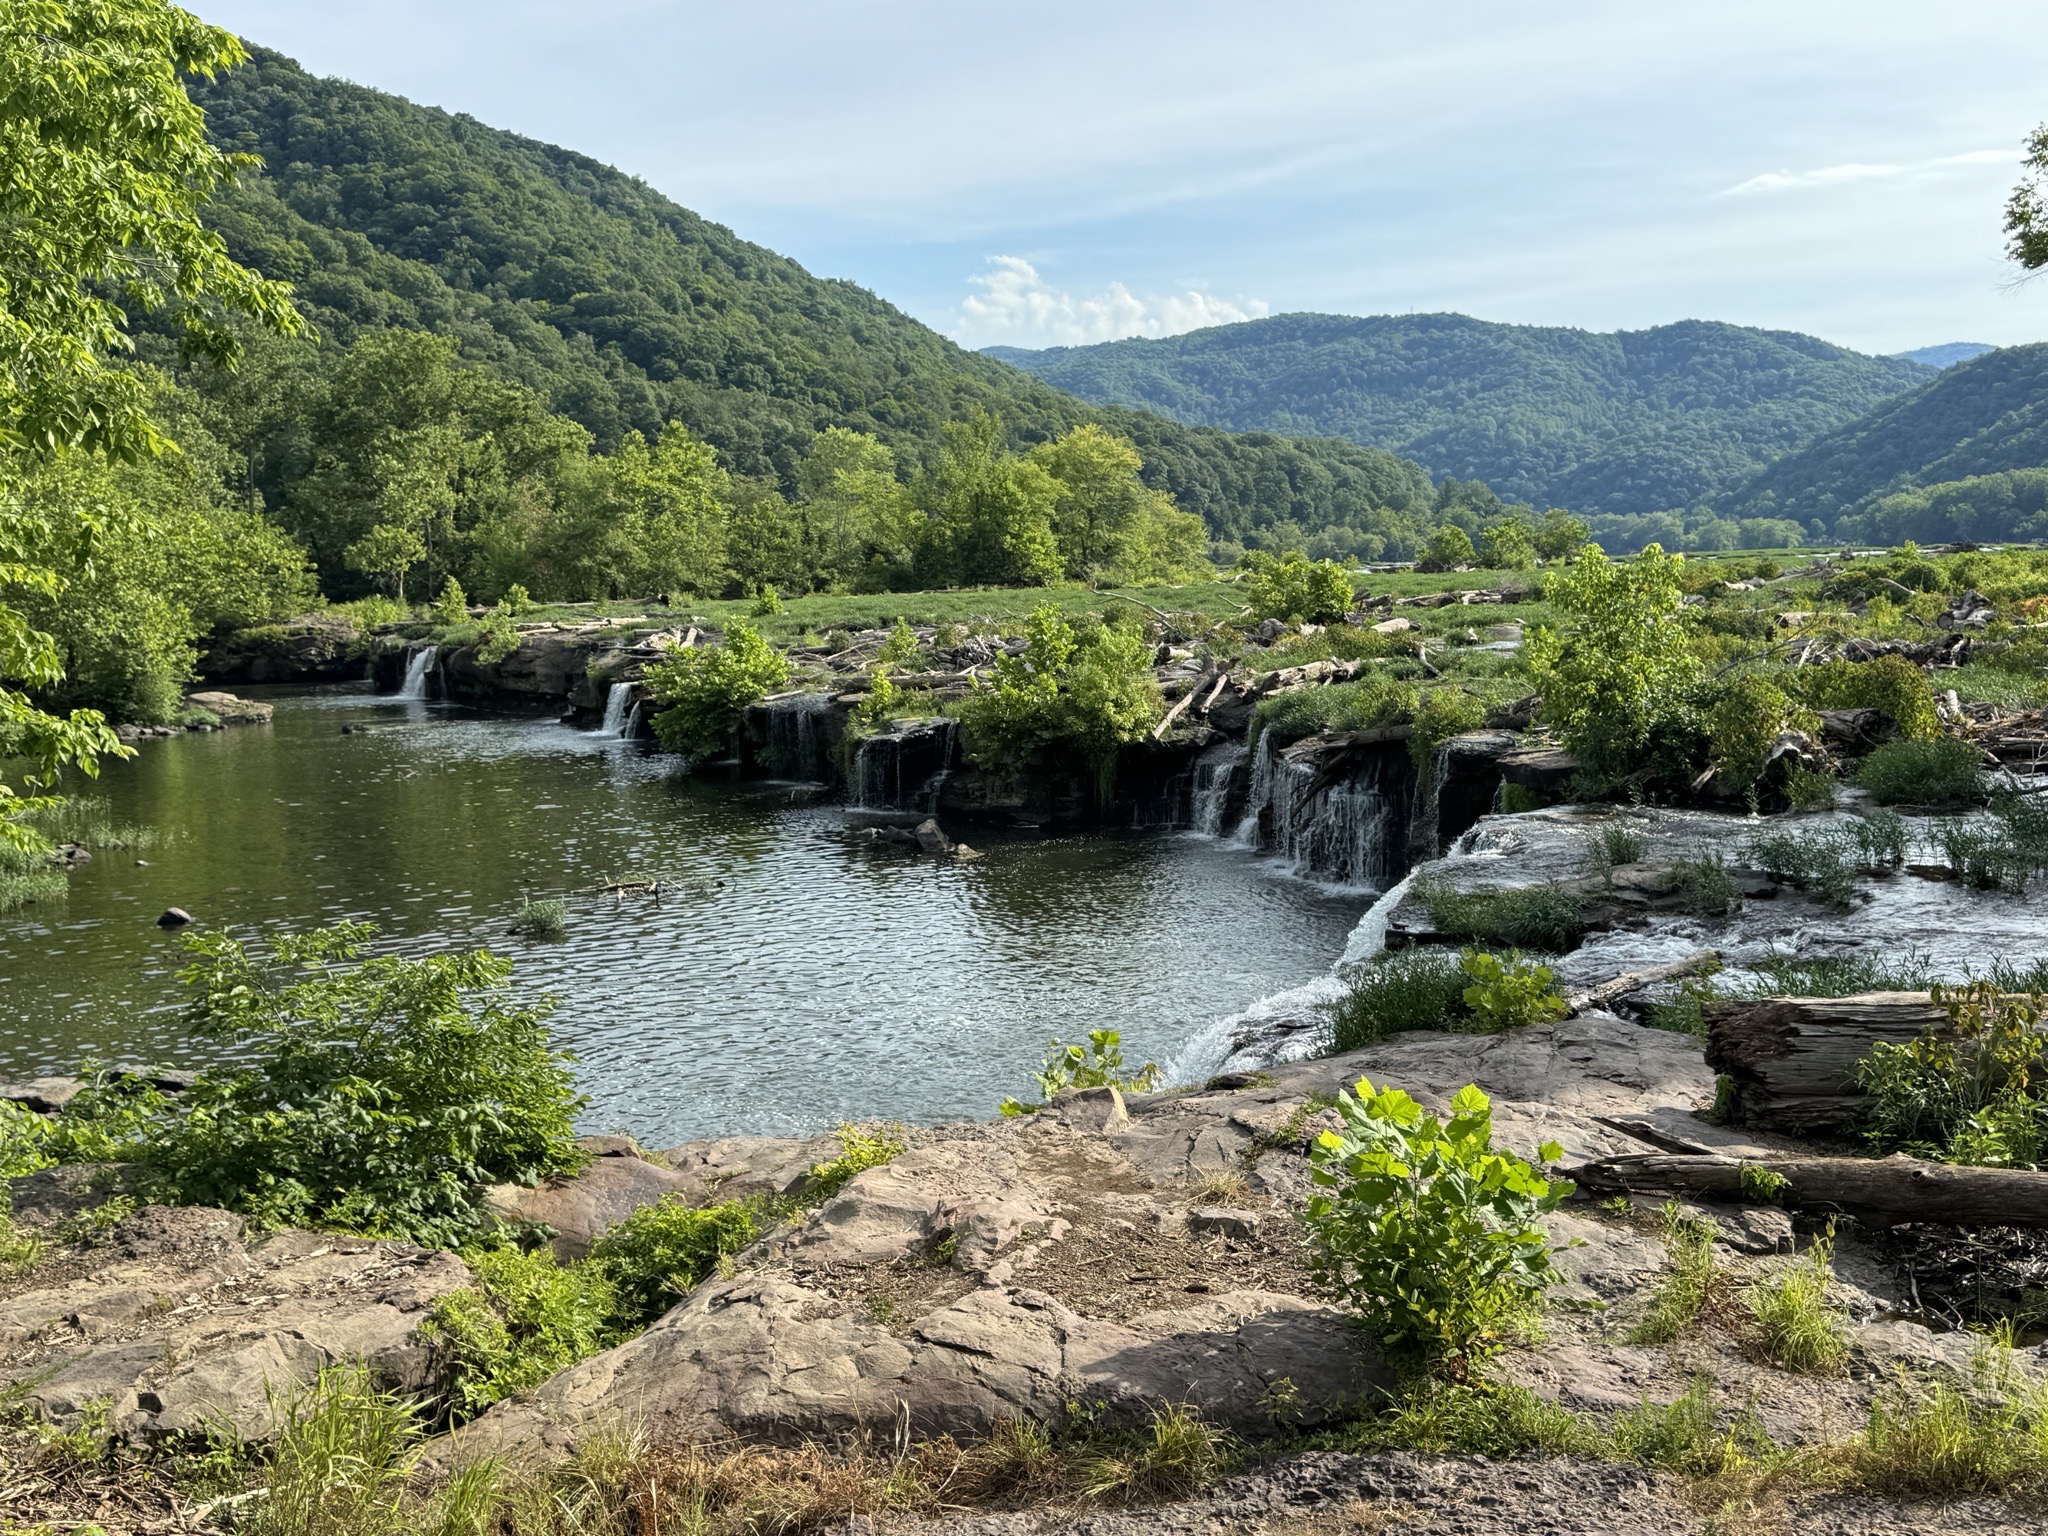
(1948, 354)
(1628, 422)
(1982, 417)
(622, 310)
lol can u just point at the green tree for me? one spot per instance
(388, 550)
(104, 165)
(1296, 587)
(988, 516)
(1449, 547)
(1559, 533)
(1509, 545)
(1072, 693)
(706, 691)
(1618, 675)
(2026, 215)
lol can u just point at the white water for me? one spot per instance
(615, 702)
(1338, 835)
(1214, 770)
(417, 667)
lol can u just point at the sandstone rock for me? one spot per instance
(581, 1208)
(609, 1145)
(1096, 1111)
(179, 1324)
(1394, 626)
(931, 839)
(1224, 1220)
(742, 1167)
(42, 1094)
(232, 710)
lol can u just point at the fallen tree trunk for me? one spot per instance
(1881, 1190)
(1614, 991)
(1792, 1060)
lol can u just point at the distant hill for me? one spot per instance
(1948, 354)
(1986, 416)
(1631, 421)
(624, 310)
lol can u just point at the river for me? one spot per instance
(800, 979)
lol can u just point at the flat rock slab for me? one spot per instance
(178, 1322)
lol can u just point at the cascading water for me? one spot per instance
(903, 768)
(796, 741)
(1215, 777)
(418, 667)
(616, 703)
(631, 730)
(1345, 832)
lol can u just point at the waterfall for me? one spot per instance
(903, 767)
(1216, 773)
(796, 745)
(417, 666)
(631, 730)
(615, 703)
(1345, 833)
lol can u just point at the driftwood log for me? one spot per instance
(1881, 1190)
(1631, 982)
(1792, 1060)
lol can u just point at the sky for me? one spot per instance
(1067, 172)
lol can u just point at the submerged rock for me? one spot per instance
(173, 917)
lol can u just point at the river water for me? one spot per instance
(800, 980)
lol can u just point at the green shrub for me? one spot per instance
(1745, 722)
(517, 601)
(662, 1251)
(369, 1095)
(859, 1150)
(452, 606)
(1509, 545)
(1891, 685)
(1404, 989)
(1098, 1064)
(1441, 714)
(498, 638)
(1611, 844)
(1825, 861)
(1938, 1439)
(1809, 789)
(1703, 881)
(526, 1318)
(900, 649)
(1371, 702)
(1542, 917)
(1431, 1234)
(704, 692)
(1940, 771)
(1296, 587)
(1448, 548)
(1509, 992)
(543, 919)
(1966, 1093)
(1073, 693)
(767, 602)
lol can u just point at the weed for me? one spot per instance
(90, 1227)
(19, 1252)
(1612, 844)
(1220, 1186)
(1426, 1229)
(1810, 789)
(1179, 1454)
(1704, 883)
(1936, 771)
(344, 1451)
(1763, 1186)
(1534, 917)
(1098, 1064)
(1695, 1283)
(526, 1318)
(546, 919)
(1480, 1418)
(1509, 992)
(664, 1250)
(858, 1150)
(1964, 1093)
(1796, 1326)
(1936, 1439)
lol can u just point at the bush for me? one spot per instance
(452, 606)
(1796, 1326)
(1968, 1093)
(1510, 992)
(1536, 916)
(373, 1096)
(706, 691)
(1441, 714)
(1509, 545)
(1891, 685)
(1941, 771)
(1367, 704)
(1080, 694)
(664, 1250)
(1745, 722)
(1448, 548)
(1296, 587)
(1425, 1229)
(545, 919)
(498, 638)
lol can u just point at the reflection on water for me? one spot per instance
(811, 980)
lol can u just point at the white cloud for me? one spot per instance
(1016, 304)
(1853, 171)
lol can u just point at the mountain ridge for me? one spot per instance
(1623, 421)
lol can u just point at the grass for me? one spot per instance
(1796, 1326)
(1406, 989)
(1703, 882)
(1695, 1283)
(544, 919)
(1612, 844)
(1541, 917)
(1825, 862)
(859, 1149)
(89, 819)
(1940, 1440)
(1938, 771)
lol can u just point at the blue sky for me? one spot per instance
(1072, 172)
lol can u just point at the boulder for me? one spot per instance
(180, 1324)
(581, 1208)
(232, 710)
(173, 917)
(42, 1094)
(931, 839)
